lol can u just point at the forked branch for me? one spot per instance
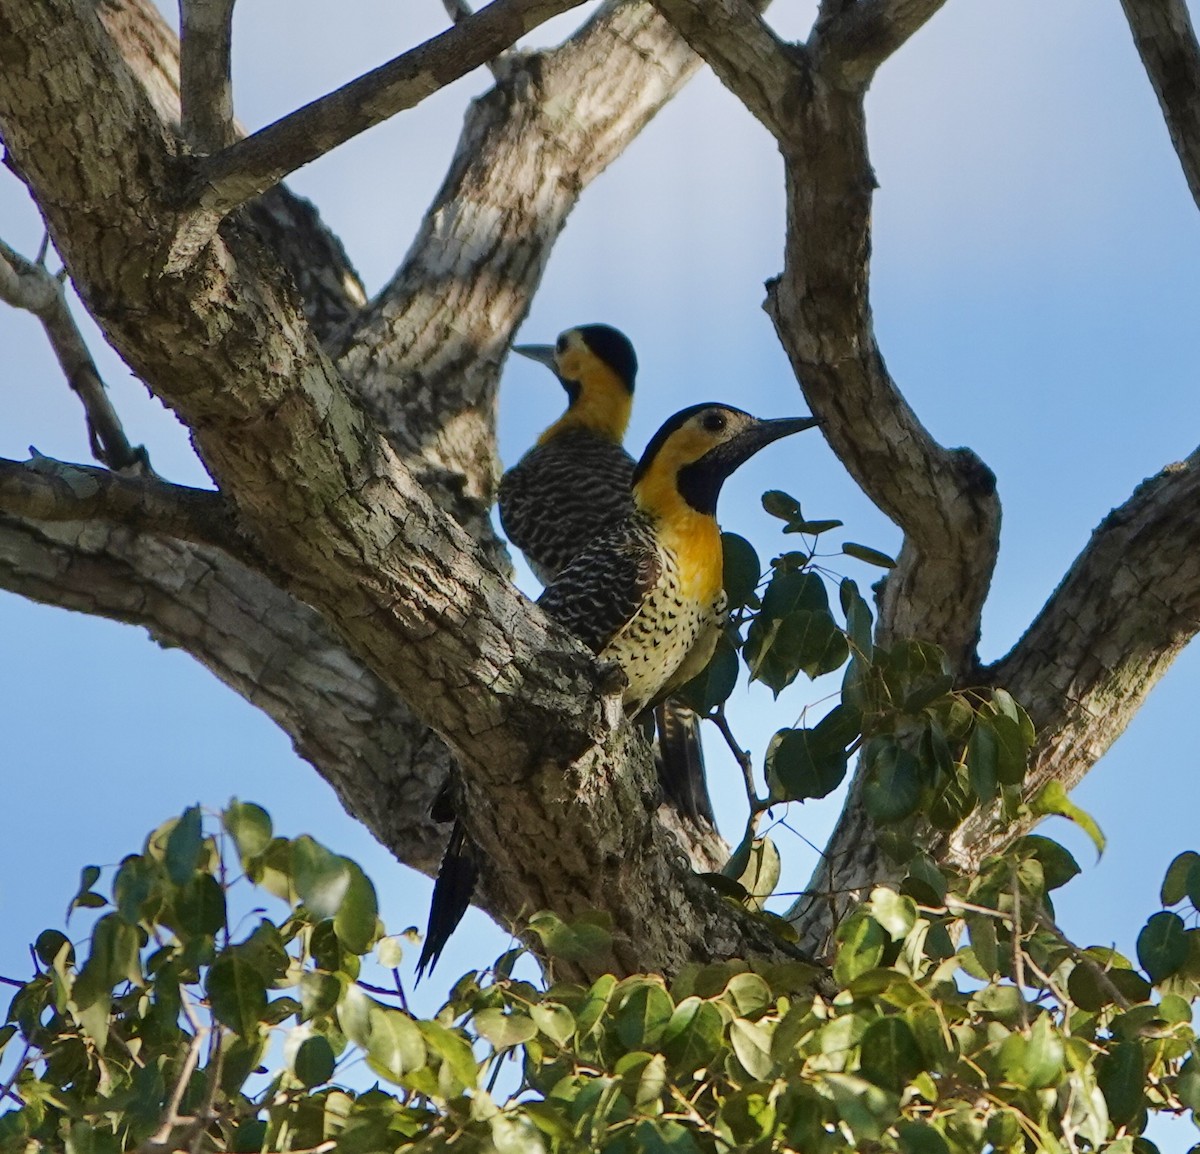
(251, 166)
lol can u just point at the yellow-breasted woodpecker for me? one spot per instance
(575, 481)
(648, 594)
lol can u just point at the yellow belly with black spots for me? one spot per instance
(672, 636)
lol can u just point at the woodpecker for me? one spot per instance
(648, 594)
(576, 480)
(574, 484)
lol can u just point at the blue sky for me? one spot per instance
(1035, 287)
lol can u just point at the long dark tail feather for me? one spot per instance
(681, 762)
(452, 892)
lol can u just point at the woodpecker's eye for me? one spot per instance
(713, 422)
(560, 345)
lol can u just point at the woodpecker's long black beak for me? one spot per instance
(739, 449)
(543, 354)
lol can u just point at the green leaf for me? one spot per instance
(1058, 863)
(890, 1056)
(554, 1020)
(663, 1137)
(587, 937)
(1161, 946)
(892, 788)
(237, 994)
(915, 673)
(895, 913)
(983, 757)
(693, 1036)
(322, 879)
(1122, 1081)
(802, 641)
(804, 763)
(395, 1046)
(454, 1050)
(314, 1061)
(813, 528)
(1193, 884)
(920, 1138)
(859, 623)
(742, 569)
(200, 907)
(1052, 799)
(748, 993)
(715, 683)
(84, 897)
(1175, 883)
(184, 843)
(504, 1030)
(861, 942)
(642, 1016)
(780, 505)
(134, 883)
(319, 993)
(867, 554)
(1187, 1084)
(357, 914)
(250, 827)
(48, 946)
(761, 873)
(1010, 750)
(1035, 1061)
(751, 1044)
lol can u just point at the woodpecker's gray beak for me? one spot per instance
(741, 448)
(543, 354)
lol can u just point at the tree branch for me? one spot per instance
(860, 37)
(206, 90)
(27, 285)
(269, 648)
(1166, 42)
(47, 490)
(1122, 614)
(251, 166)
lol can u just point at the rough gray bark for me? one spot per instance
(353, 445)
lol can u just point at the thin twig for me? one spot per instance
(1018, 951)
(171, 1118)
(400, 989)
(757, 804)
(30, 286)
(7, 1091)
(1089, 963)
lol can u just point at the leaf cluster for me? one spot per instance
(956, 1017)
